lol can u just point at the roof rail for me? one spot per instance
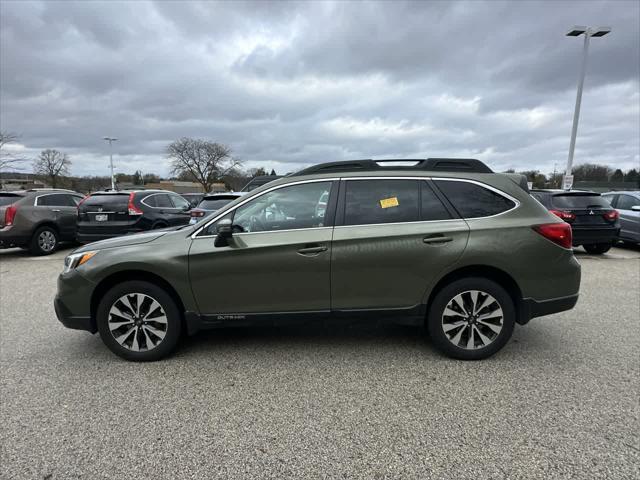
(430, 164)
(48, 189)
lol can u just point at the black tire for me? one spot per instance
(436, 313)
(44, 241)
(172, 331)
(158, 226)
(597, 248)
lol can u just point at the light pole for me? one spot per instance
(588, 32)
(109, 139)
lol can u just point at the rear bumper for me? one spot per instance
(582, 236)
(8, 239)
(72, 321)
(531, 308)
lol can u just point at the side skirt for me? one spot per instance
(413, 316)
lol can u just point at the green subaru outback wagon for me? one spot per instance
(443, 243)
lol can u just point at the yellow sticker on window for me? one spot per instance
(389, 202)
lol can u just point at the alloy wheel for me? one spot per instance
(472, 319)
(47, 241)
(138, 322)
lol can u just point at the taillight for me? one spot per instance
(558, 233)
(566, 216)
(611, 216)
(133, 210)
(10, 214)
(197, 213)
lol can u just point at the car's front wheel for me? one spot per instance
(139, 321)
(597, 248)
(471, 318)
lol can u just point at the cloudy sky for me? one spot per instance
(290, 84)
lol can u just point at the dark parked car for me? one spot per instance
(257, 182)
(628, 206)
(193, 198)
(594, 222)
(212, 203)
(38, 219)
(104, 215)
(446, 244)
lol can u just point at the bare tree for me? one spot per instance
(206, 162)
(52, 164)
(8, 159)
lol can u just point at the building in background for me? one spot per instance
(183, 187)
(11, 184)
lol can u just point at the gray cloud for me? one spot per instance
(288, 84)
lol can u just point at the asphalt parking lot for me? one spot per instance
(560, 401)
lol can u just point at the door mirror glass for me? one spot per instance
(224, 230)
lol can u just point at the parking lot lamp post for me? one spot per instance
(110, 139)
(588, 32)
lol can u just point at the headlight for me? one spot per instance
(77, 259)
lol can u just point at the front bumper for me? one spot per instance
(76, 322)
(73, 302)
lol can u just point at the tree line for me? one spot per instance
(206, 163)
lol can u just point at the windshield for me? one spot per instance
(579, 201)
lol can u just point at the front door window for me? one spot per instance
(287, 208)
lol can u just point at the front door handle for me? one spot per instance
(435, 239)
(312, 251)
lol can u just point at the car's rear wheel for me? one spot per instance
(597, 248)
(471, 318)
(44, 241)
(139, 321)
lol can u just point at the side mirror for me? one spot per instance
(224, 230)
(636, 208)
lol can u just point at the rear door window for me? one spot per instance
(579, 201)
(163, 201)
(370, 202)
(179, 202)
(472, 200)
(56, 200)
(625, 202)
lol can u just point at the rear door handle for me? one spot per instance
(434, 239)
(311, 251)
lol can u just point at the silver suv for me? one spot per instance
(38, 219)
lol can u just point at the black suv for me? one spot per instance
(594, 222)
(38, 219)
(104, 215)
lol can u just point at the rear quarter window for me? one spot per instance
(472, 200)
